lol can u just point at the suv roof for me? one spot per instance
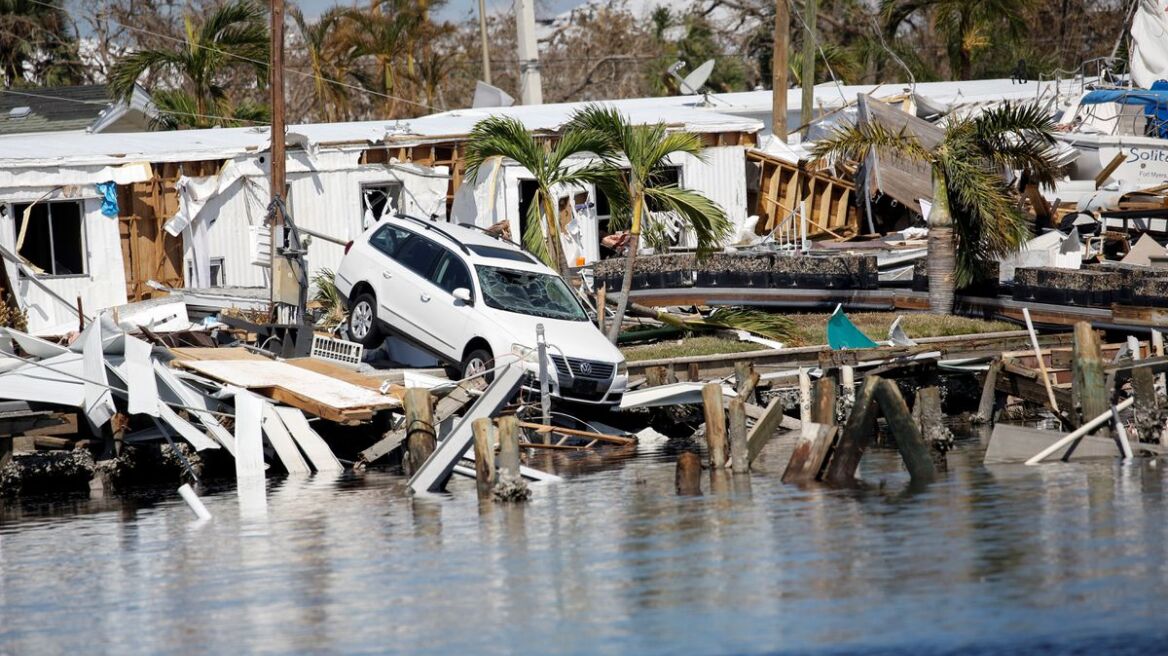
(473, 242)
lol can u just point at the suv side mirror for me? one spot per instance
(463, 294)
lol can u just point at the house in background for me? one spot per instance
(82, 109)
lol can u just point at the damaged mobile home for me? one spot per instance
(112, 219)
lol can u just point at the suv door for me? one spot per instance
(414, 291)
(385, 276)
(447, 316)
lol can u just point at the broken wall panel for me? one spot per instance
(782, 187)
(905, 180)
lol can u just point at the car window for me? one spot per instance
(450, 273)
(418, 254)
(528, 292)
(389, 239)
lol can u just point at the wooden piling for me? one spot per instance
(745, 380)
(715, 424)
(848, 389)
(810, 451)
(989, 393)
(688, 479)
(1147, 416)
(931, 423)
(804, 397)
(694, 372)
(738, 445)
(484, 450)
(854, 438)
(509, 485)
(823, 410)
(1088, 389)
(909, 442)
(420, 432)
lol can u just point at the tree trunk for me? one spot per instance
(622, 303)
(941, 257)
(555, 244)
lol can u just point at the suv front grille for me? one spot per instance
(576, 368)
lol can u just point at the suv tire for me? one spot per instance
(362, 320)
(476, 361)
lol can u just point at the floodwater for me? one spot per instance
(1055, 559)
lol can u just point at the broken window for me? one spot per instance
(54, 238)
(380, 200)
(218, 278)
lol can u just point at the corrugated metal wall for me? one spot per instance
(328, 202)
(103, 285)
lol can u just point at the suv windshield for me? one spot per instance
(525, 292)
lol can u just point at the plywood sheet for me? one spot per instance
(315, 393)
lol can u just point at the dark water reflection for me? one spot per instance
(1057, 559)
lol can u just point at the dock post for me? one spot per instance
(848, 389)
(484, 450)
(694, 372)
(1088, 388)
(804, 397)
(715, 424)
(823, 410)
(745, 380)
(738, 450)
(912, 447)
(989, 393)
(420, 433)
(688, 479)
(930, 420)
(510, 485)
(1158, 351)
(855, 437)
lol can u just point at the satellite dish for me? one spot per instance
(486, 95)
(691, 84)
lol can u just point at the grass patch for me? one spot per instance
(687, 347)
(810, 329)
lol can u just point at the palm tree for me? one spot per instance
(332, 57)
(976, 216)
(384, 33)
(38, 44)
(966, 25)
(500, 136)
(235, 35)
(645, 150)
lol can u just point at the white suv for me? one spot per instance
(471, 299)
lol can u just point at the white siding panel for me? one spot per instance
(721, 178)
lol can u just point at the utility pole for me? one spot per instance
(530, 85)
(782, 38)
(807, 81)
(483, 35)
(285, 285)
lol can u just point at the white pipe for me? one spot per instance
(194, 501)
(1081, 431)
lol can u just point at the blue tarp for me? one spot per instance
(109, 198)
(843, 334)
(1154, 102)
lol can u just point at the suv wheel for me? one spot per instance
(476, 362)
(363, 321)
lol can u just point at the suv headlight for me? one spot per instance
(622, 368)
(525, 353)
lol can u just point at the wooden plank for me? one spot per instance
(601, 437)
(282, 442)
(314, 447)
(809, 454)
(715, 424)
(229, 353)
(764, 428)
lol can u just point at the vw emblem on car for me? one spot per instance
(585, 368)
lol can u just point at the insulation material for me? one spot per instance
(478, 200)
(1149, 32)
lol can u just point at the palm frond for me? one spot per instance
(534, 233)
(988, 223)
(702, 215)
(757, 322)
(503, 136)
(128, 69)
(853, 143)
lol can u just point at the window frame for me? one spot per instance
(431, 276)
(364, 187)
(83, 240)
(219, 280)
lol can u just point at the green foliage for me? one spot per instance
(329, 299)
(234, 35)
(38, 44)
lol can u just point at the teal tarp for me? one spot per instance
(843, 334)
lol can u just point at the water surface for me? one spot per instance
(1056, 559)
